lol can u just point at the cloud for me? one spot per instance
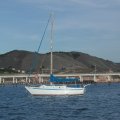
(96, 3)
(85, 3)
(58, 5)
(48, 5)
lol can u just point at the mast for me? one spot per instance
(51, 45)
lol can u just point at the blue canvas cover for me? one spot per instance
(58, 79)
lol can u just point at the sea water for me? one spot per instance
(100, 102)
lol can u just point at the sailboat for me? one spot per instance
(56, 89)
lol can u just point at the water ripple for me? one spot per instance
(101, 102)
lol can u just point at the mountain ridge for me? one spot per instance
(63, 61)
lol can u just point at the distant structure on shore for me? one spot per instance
(43, 78)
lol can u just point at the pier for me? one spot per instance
(43, 78)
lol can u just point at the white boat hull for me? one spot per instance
(55, 90)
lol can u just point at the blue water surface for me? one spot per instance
(100, 102)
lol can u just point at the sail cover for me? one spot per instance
(58, 79)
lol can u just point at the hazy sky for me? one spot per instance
(89, 26)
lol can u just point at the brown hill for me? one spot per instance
(66, 62)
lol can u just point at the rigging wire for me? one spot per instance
(35, 58)
(44, 33)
